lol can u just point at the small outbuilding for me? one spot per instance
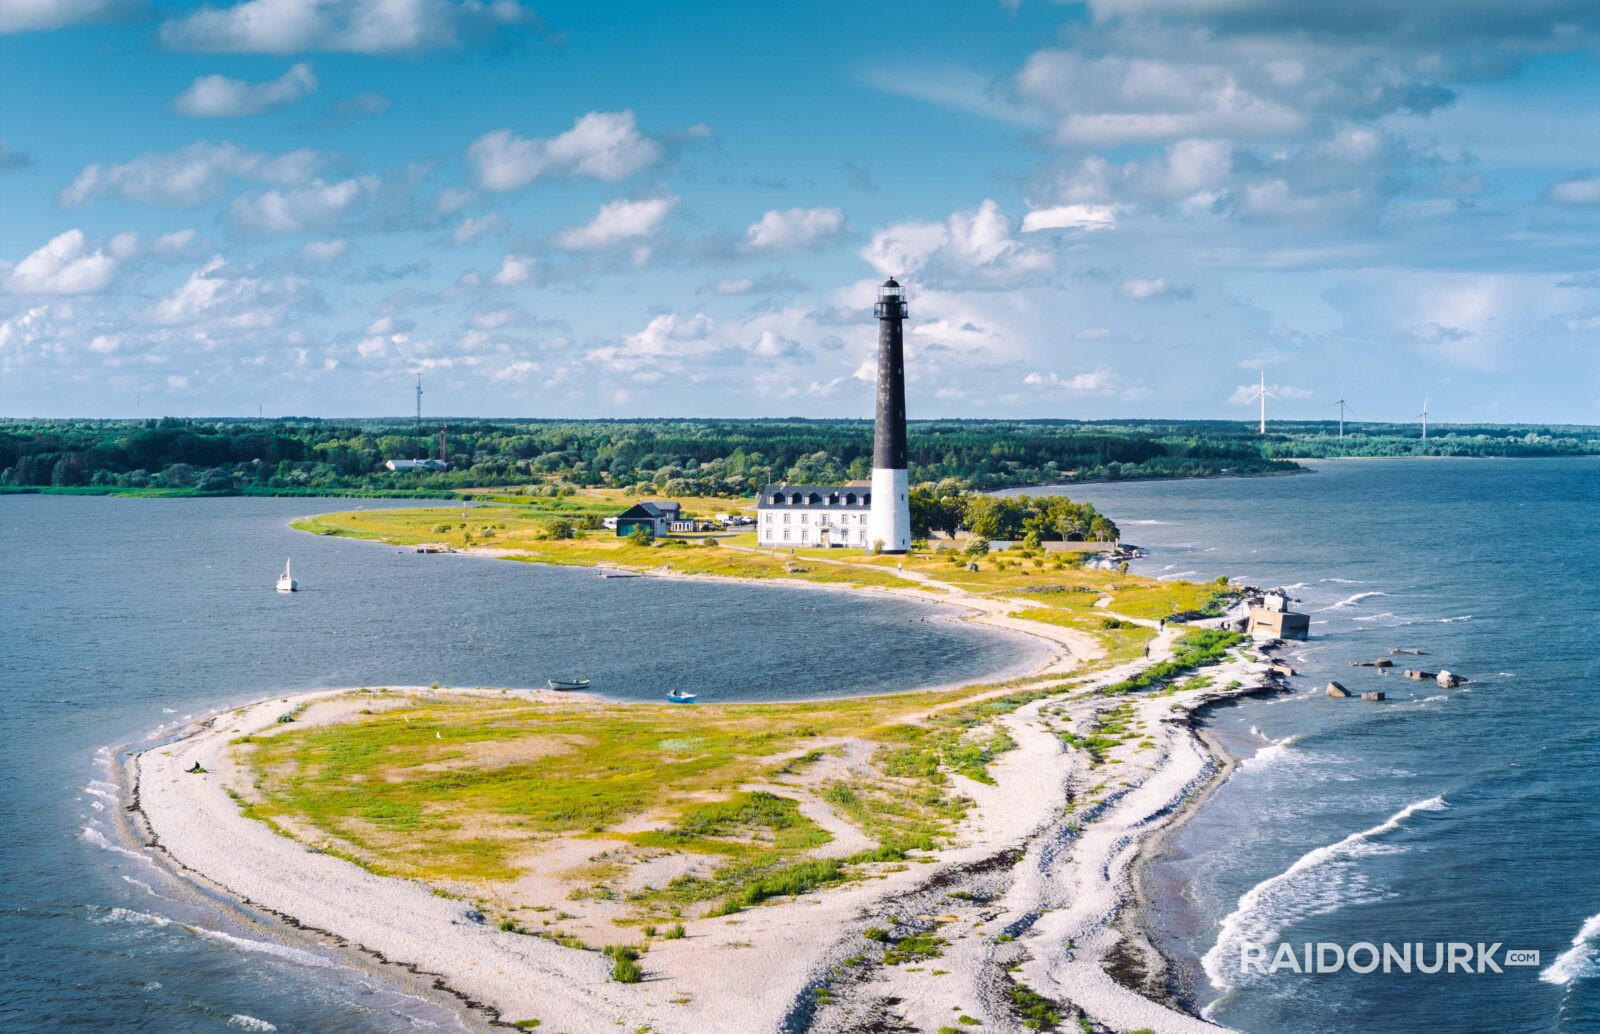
(656, 518)
(1281, 624)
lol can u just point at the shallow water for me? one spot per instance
(122, 615)
(1463, 815)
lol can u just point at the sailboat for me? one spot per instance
(286, 582)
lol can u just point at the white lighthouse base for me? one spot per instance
(889, 521)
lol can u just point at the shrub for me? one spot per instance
(625, 968)
(674, 933)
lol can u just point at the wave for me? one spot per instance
(1178, 574)
(1350, 601)
(276, 950)
(1451, 621)
(1578, 961)
(132, 917)
(244, 1022)
(1343, 581)
(99, 839)
(1274, 903)
(142, 885)
(1389, 615)
(1273, 752)
(1146, 521)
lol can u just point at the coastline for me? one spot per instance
(792, 944)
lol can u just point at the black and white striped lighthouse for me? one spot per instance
(889, 522)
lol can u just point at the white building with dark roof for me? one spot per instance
(814, 515)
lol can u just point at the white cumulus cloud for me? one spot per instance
(969, 249)
(619, 222)
(194, 175)
(217, 96)
(33, 15)
(604, 145)
(793, 228)
(302, 209)
(68, 264)
(349, 26)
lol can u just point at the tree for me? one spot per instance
(640, 535)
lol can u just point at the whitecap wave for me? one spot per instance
(99, 839)
(1342, 581)
(276, 950)
(1385, 616)
(1275, 751)
(1145, 521)
(132, 917)
(1578, 961)
(1451, 621)
(142, 885)
(1274, 903)
(244, 1022)
(1352, 600)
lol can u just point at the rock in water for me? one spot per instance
(1449, 680)
(1336, 690)
(1372, 695)
(1383, 662)
(1418, 674)
(1280, 668)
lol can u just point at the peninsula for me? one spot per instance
(578, 862)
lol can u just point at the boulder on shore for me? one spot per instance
(1336, 690)
(1372, 694)
(1280, 668)
(1449, 680)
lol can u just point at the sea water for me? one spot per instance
(1467, 815)
(124, 617)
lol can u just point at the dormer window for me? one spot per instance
(867, 499)
(850, 498)
(794, 499)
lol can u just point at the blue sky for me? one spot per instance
(1115, 209)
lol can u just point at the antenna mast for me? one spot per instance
(419, 402)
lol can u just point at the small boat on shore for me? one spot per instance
(678, 696)
(286, 582)
(565, 684)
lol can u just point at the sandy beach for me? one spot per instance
(1035, 891)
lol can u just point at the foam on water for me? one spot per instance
(272, 948)
(1276, 751)
(1275, 903)
(100, 840)
(244, 1022)
(133, 917)
(1578, 961)
(1352, 600)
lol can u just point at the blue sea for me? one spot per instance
(125, 617)
(1468, 815)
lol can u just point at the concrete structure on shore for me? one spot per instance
(1273, 617)
(875, 516)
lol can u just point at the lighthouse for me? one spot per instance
(889, 521)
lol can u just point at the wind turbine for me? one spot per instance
(1424, 416)
(1343, 405)
(1261, 395)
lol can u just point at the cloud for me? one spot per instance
(772, 345)
(969, 249)
(473, 227)
(1245, 394)
(195, 175)
(765, 284)
(619, 222)
(1141, 289)
(35, 15)
(221, 297)
(1101, 381)
(68, 264)
(793, 228)
(1071, 217)
(604, 145)
(1576, 190)
(361, 105)
(217, 96)
(347, 26)
(515, 269)
(11, 158)
(324, 252)
(303, 209)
